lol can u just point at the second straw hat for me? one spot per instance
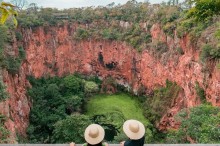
(134, 129)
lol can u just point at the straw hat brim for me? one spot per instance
(132, 135)
(97, 139)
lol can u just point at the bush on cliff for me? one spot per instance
(3, 94)
(210, 53)
(157, 106)
(204, 9)
(198, 125)
(4, 133)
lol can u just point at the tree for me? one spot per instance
(73, 104)
(198, 125)
(71, 129)
(204, 9)
(91, 87)
(73, 84)
(173, 2)
(32, 8)
(20, 4)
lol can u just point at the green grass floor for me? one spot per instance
(127, 105)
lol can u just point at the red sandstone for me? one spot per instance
(54, 52)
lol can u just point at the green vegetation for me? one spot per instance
(122, 106)
(63, 107)
(71, 129)
(159, 103)
(199, 125)
(130, 22)
(210, 53)
(3, 40)
(3, 93)
(55, 99)
(122, 103)
(91, 87)
(18, 36)
(3, 36)
(204, 9)
(13, 63)
(4, 133)
(10, 61)
(200, 93)
(58, 103)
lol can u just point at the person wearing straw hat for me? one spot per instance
(135, 131)
(94, 135)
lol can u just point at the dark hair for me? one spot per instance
(99, 144)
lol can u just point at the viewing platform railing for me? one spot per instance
(110, 145)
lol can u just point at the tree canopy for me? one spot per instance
(198, 125)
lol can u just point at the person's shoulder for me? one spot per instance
(128, 142)
(85, 144)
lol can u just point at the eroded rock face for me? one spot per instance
(52, 51)
(17, 107)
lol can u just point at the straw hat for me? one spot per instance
(134, 129)
(94, 134)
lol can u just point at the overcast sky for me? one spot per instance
(80, 3)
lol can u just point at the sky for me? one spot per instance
(61, 4)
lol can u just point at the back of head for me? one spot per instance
(134, 129)
(94, 134)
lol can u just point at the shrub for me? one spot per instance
(73, 84)
(12, 64)
(81, 34)
(110, 34)
(169, 29)
(22, 53)
(184, 27)
(158, 105)
(198, 124)
(209, 52)
(204, 9)
(3, 36)
(217, 33)
(18, 36)
(90, 87)
(3, 94)
(4, 133)
(180, 50)
(70, 129)
(200, 93)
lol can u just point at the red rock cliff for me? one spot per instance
(52, 50)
